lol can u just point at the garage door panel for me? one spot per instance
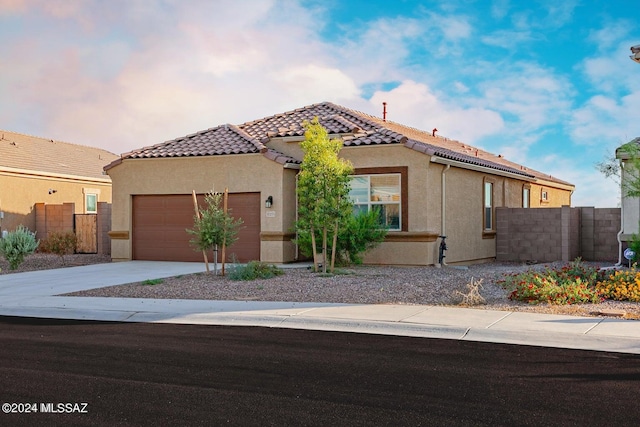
(160, 223)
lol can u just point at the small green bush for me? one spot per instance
(59, 243)
(572, 284)
(152, 282)
(357, 235)
(254, 270)
(17, 245)
(634, 245)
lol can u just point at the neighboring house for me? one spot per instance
(630, 205)
(423, 185)
(37, 170)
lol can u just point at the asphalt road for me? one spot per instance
(159, 374)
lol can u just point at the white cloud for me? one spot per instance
(416, 105)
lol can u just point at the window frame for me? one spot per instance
(544, 195)
(86, 203)
(404, 203)
(488, 182)
(526, 196)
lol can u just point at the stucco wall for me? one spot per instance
(238, 173)
(19, 194)
(417, 244)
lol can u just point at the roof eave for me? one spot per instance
(485, 169)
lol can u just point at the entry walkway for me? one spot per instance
(32, 294)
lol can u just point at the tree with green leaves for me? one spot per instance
(323, 190)
(214, 227)
(610, 167)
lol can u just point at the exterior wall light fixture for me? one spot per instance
(269, 202)
(51, 191)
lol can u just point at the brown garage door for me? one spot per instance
(160, 221)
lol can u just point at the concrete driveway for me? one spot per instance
(33, 294)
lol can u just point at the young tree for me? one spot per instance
(610, 167)
(214, 227)
(323, 189)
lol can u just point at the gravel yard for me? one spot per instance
(359, 285)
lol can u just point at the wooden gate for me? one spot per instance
(87, 233)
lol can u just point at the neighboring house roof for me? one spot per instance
(355, 128)
(20, 152)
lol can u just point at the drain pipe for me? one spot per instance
(619, 235)
(443, 210)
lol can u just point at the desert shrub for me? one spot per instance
(472, 295)
(622, 285)
(254, 270)
(572, 284)
(59, 243)
(17, 245)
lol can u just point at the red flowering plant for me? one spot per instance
(574, 283)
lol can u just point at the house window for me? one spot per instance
(381, 193)
(526, 191)
(544, 196)
(488, 205)
(91, 203)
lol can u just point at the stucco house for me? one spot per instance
(425, 186)
(630, 205)
(35, 171)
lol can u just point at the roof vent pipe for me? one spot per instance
(433, 132)
(384, 111)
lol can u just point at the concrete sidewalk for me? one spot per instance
(32, 295)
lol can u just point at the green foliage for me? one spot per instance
(610, 167)
(572, 284)
(18, 244)
(152, 282)
(634, 245)
(214, 227)
(59, 243)
(359, 234)
(323, 185)
(254, 270)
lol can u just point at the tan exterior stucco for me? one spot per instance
(239, 173)
(416, 244)
(22, 190)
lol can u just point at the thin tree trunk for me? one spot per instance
(324, 249)
(204, 251)
(313, 248)
(224, 238)
(215, 260)
(333, 247)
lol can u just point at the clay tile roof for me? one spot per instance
(32, 153)
(280, 158)
(226, 139)
(334, 118)
(355, 128)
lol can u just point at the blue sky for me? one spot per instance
(548, 84)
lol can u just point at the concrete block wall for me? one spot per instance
(557, 234)
(523, 236)
(54, 218)
(606, 227)
(61, 218)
